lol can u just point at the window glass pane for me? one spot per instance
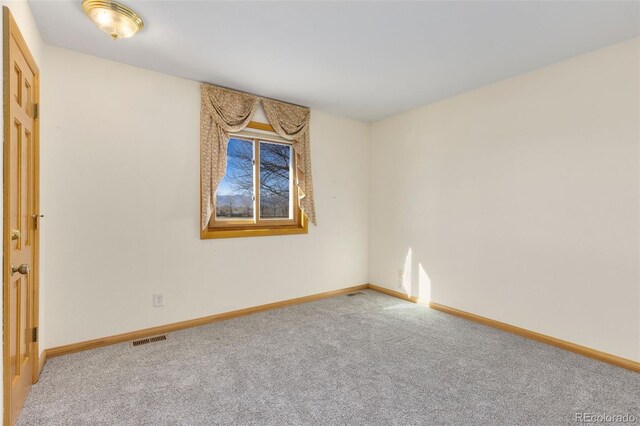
(234, 199)
(275, 181)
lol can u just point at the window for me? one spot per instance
(258, 195)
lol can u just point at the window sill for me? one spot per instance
(266, 231)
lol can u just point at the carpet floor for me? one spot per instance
(366, 359)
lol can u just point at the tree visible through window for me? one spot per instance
(234, 198)
(275, 180)
(258, 187)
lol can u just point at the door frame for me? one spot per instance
(10, 30)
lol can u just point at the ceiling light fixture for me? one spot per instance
(113, 18)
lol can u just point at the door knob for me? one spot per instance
(15, 234)
(23, 269)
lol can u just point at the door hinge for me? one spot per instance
(36, 110)
(36, 221)
(34, 334)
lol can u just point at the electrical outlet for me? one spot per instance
(400, 278)
(158, 300)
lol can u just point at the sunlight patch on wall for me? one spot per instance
(424, 285)
(405, 283)
(422, 289)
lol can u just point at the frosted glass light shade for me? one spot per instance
(113, 18)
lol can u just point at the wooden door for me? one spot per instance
(21, 216)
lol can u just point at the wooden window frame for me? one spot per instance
(259, 227)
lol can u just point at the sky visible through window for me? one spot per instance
(234, 199)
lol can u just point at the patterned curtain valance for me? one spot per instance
(292, 123)
(223, 111)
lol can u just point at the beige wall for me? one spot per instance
(519, 201)
(120, 181)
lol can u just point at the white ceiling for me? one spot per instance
(364, 60)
